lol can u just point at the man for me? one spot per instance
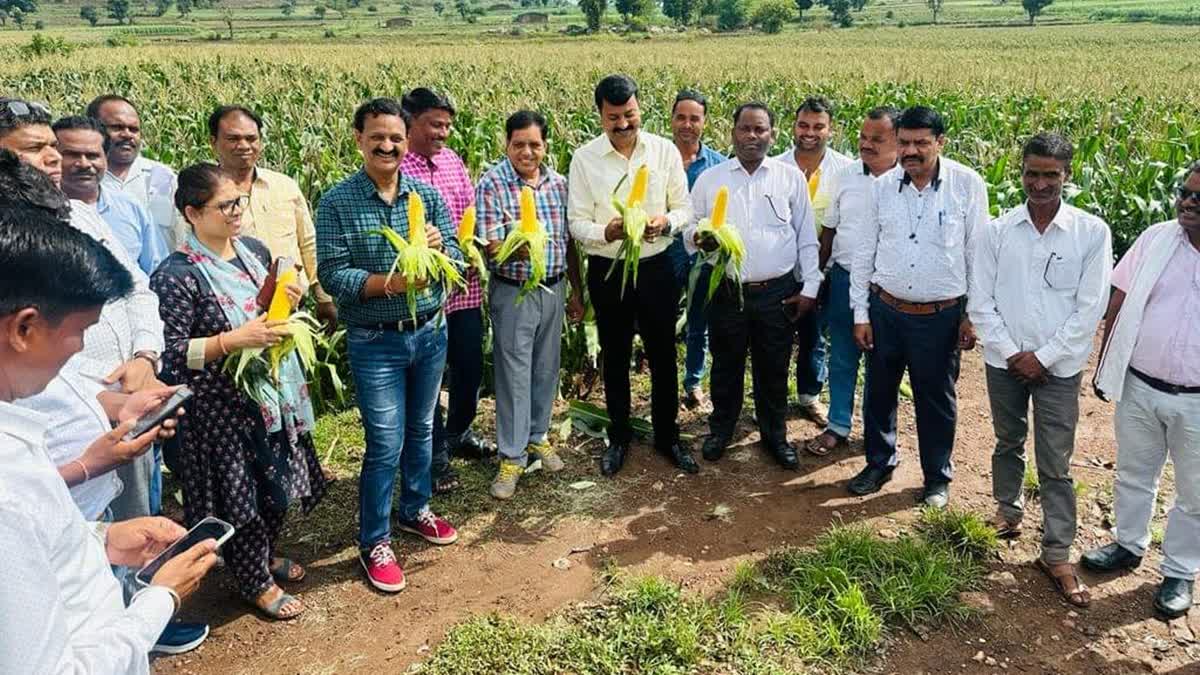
(849, 202)
(756, 308)
(82, 142)
(1151, 366)
(1041, 283)
(527, 331)
(820, 164)
(277, 213)
(150, 183)
(431, 162)
(687, 129)
(596, 169)
(910, 275)
(62, 610)
(396, 360)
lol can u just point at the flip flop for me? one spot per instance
(814, 446)
(1079, 597)
(272, 610)
(449, 482)
(283, 571)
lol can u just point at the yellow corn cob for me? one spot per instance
(637, 193)
(529, 221)
(416, 220)
(719, 204)
(466, 228)
(281, 307)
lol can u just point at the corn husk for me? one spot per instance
(730, 251)
(635, 220)
(530, 232)
(415, 261)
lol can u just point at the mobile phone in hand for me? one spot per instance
(209, 528)
(161, 414)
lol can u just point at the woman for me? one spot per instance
(240, 461)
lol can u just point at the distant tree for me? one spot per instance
(439, 7)
(118, 10)
(406, 8)
(594, 11)
(26, 7)
(629, 9)
(1034, 8)
(3, 17)
(227, 18)
(288, 7)
(184, 7)
(859, 5)
(839, 11)
(770, 15)
(935, 6)
(89, 14)
(731, 14)
(39, 25)
(161, 7)
(680, 11)
(319, 11)
(803, 6)
(18, 17)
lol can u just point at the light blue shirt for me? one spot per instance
(134, 228)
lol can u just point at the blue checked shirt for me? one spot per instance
(497, 201)
(348, 253)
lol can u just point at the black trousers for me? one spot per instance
(652, 306)
(464, 364)
(928, 347)
(762, 328)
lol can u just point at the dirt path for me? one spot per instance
(666, 527)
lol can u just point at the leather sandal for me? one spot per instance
(819, 447)
(1067, 582)
(285, 571)
(1005, 528)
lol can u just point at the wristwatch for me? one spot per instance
(150, 356)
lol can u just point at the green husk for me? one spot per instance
(420, 263)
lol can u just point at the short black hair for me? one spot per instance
(815, 104)
(885, 112)
(922, 117)
(16, 113)
(81, 123)
(197, 185)
(23, 186)
(380, 106)
(423, 99)
(1049, 144)
(615, 90)
(523, 119)
(93, 109)
(1193, 168)
(214, 120)
(754, 105)
(49, 265)
(690, 95)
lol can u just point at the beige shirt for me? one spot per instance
(597, 168)
(278, 216)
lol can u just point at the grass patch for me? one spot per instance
(797, 609)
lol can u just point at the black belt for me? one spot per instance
(1163, 386)
(548, 281)
(398, 326)
(759, 286)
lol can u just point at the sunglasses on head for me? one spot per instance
(26, 108)
(1185, 194)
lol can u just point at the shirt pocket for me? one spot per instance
(771, 211)
(1061, 271)
(952, 223)
(370, 251)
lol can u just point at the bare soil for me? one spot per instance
(663, 522)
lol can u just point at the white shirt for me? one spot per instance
(126, 326)
(917, 244)
(77, 420)
(152, 184)
(832, 164)
(597, 167)
(849, 205)
(1043, 293)
(61, 610)
(770, 209)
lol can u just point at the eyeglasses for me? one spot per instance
(1185, 194)
(27, 108)
(235, 205)
(1054, 257)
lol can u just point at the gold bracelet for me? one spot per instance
(86, 476)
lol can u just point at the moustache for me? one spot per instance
(381, 153)
(910, 158)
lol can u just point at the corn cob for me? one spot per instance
(529, 232)
(635, 221)
(730, 248)
(467, 239)
(415, 261)
(281, 306)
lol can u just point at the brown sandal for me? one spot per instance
(1076, 593)
(1005, 528)
(818, 447)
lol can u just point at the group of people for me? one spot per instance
(123, 280)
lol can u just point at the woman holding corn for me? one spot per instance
(523, 217)
(244, 457)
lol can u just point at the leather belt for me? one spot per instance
(758, 286)
(548, 281)
(917, 308)
(398, 326)
(1163, 386)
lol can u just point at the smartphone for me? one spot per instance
(209, 528)
(160, 414)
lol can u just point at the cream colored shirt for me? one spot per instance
(597, 168)
(278, 216)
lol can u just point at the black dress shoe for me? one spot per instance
(785, 454)
(682, 457)
(869, 481)
(613, 458)
(1110, 559)
(1174, 597)
(714, 448)
(473, 446)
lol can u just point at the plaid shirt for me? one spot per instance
(347, 252)
(498, 198)
(448, 175)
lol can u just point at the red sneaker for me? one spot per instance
(430, 528)
(382, 569)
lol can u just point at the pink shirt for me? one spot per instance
(447, 174)
(1168, 343)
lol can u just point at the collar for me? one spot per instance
(103, 203)
(607, 147)
(367, 186)
(936, 183)
(735, 166)
(23, 424)
(509, 173)
(1062, 218)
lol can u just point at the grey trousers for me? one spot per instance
(1055, 414)
(1151, 425)
(527, 339)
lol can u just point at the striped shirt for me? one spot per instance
(448, 175)
(498, 198)
(348, 252)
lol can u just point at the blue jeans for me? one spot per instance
(696, 330)
(396, 375)
(844, 355)
(156, 481)
(811, 369)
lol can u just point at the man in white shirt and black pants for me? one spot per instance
(769, 206)
(1041, 276)
(907, 286)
